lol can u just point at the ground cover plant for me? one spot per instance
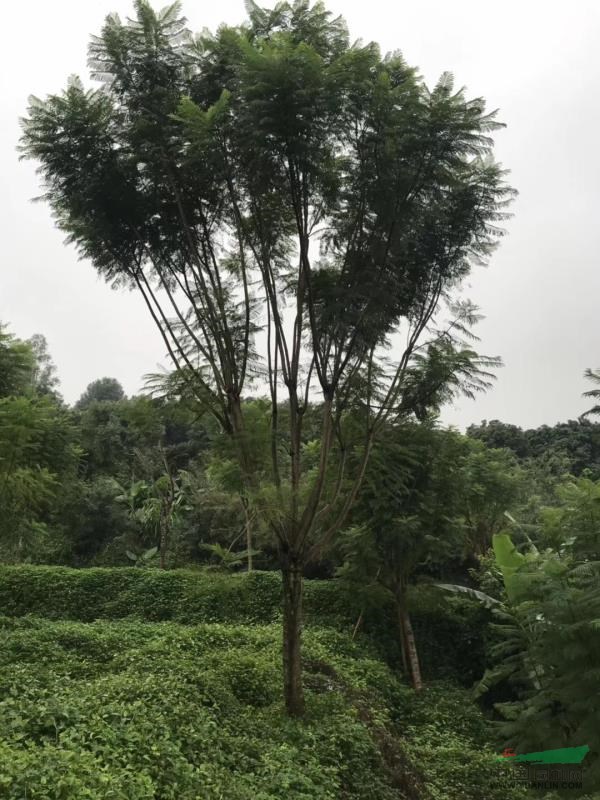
(162, 710)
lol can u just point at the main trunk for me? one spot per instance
(292, 636)
(248, 534)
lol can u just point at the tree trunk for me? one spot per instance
(402, 635)
(409, 647)
(248, 533)
(162, 547)
(292, 634)
(413, 656)
(357, 626)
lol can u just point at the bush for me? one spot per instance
(450, 633)
(161, 710)
(149, 594)
(451, 741)
(139, 710)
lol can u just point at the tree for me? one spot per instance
(274, 178)
(492, 483)
(113, 431)
(408, 519)
(16, 364)
(574, 519)
(223, 469)
(155, 504)
(594, 376)
(572, 446)
(104, 438)
(26, 367)
(431, 503)
(38, 450)
(95, 521)
(501, 435)
(44, 379)
(100, 391)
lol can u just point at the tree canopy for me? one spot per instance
(99, 391)
(16, 364)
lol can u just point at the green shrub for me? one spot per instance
(172, 712)
(53, 773)
(450, 633)
(131, 709)
(451, 742)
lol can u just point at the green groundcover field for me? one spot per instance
(131, 708)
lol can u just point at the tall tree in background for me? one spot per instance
(101, 391)
(16, 364)
(594, 376)
(274, 178)
(492, 484)
(26, 367)
(44, 378)
(38, 451)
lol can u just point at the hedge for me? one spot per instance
(450, 632)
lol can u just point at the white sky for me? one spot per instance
(536, 60)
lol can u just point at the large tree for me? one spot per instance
(294, 210)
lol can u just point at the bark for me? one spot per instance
(410, 655)
(248, 533)
(163, 546)
(238, 428)
(402, 635)
(357, 626)
(292, 636)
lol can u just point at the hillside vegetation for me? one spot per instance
(274, 574)
(124, 708)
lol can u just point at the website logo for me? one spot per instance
(548, 769)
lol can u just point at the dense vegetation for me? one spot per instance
(124, 709)
(297, 213)
(432, 503)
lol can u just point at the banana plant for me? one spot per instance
(519, 571)
(228, 559)
(155, 505)
(141, 559)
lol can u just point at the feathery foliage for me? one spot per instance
(274, 180)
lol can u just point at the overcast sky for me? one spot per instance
(538, 61)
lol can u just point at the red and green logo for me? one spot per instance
(564, 755)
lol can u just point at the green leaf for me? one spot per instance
(473, 594)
